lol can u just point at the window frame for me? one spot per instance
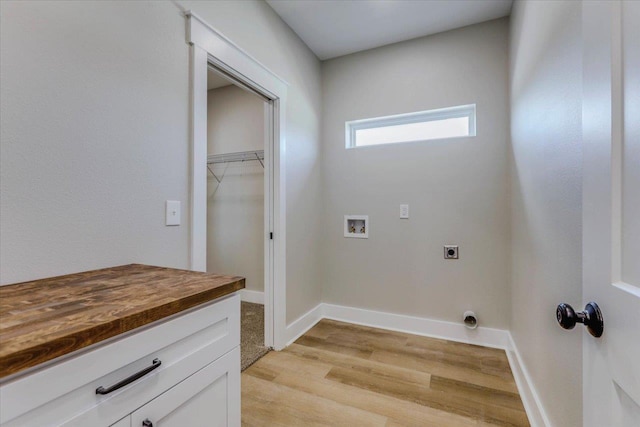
(351, 127)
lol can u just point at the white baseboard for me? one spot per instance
(451, 331)
(301, 325)
(255, 297)
(488, 337)
(530, 398)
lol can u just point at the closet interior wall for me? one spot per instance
(235, 205)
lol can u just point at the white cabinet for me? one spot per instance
(208, 398)
(197, 382)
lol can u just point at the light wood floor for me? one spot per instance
(339, 374)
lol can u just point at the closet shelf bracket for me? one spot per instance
(212, 173)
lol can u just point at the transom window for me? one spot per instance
(453, 122)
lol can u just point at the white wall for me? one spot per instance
(94, 138)
(546, 159)
(457, 189)
(235, 206)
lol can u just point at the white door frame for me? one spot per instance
(209, 46)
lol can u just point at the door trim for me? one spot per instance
(210, 47)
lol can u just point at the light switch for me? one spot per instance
(172, 214)
(404, 211)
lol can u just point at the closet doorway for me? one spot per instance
(209, 49)
(238, 198)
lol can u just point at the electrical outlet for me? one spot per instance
(404, 211)
(450, 251)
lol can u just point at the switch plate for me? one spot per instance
(172, 213)
(404, 211)
(450, 251)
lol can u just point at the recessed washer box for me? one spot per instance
(356, 226)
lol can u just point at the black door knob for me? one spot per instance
(591, 317)
(147, 423)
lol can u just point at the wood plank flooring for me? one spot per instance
(339, 374)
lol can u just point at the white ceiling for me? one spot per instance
(334, 28)
(215, 80)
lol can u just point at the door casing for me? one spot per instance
(211, 48)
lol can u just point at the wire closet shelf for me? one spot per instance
(241, 156)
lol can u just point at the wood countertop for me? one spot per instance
(49, 318)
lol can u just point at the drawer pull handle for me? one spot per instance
(154, 365)
(147, 423)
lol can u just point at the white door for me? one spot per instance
(611, 203)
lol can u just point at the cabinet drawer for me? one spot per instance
(208, 398)
(65, 393)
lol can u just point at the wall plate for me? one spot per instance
(356, 226)
(172, 212)
(404, 211)
(450, 251)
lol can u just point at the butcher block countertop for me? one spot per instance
(49, 318)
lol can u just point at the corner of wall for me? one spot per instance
(526, 388)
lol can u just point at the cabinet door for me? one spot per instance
(208, 398)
